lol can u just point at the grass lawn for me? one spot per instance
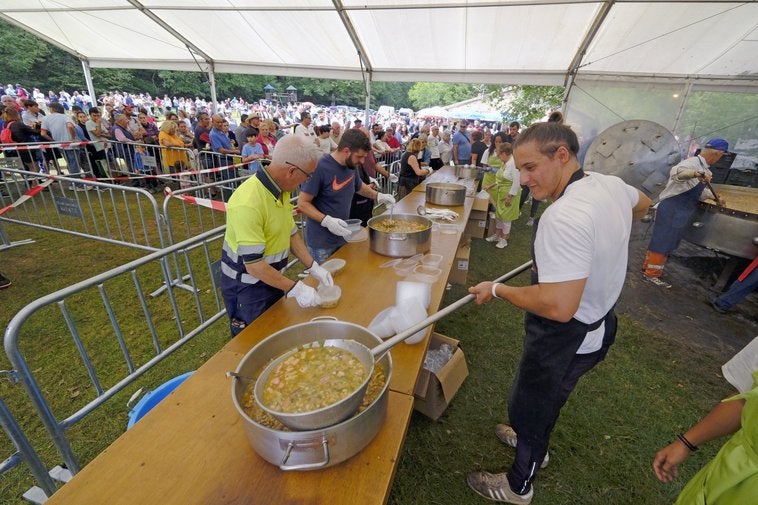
(601, 450)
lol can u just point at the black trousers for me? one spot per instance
(544, 381)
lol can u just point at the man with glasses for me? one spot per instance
(462, 145)
(261, 233)
(325, 198)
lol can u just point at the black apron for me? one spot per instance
(549, 348)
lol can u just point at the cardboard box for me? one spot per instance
(434, 391)
(459, 272)
(479, 209)
(475, 228)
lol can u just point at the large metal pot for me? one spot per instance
(400, 245)
(442, 193)
(733, 229)
(467, 171)
(325, 447)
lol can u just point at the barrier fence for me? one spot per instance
(87, 341)
(25, 453)
(110, 213)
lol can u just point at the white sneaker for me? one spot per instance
(492, 238)
(501, 244)
(495, 487)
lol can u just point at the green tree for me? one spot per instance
(525, 104)
(428, 94)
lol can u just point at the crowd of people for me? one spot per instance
(579, 247)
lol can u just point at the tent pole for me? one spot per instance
(687, 91)
(88, 80)
(212, 83)
(368, 100)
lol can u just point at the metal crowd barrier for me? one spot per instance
(74, 159)
(112, 213)
(210, 159)
(389, 157)
(130, 159)
(79, 323)
(25, 453)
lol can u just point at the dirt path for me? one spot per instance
(683, 312)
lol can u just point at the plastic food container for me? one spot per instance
(404, 270)
(426, 274)
(405, 316)
(431, 260)
(381, 325)
(334, 265)
(409, 290)
(330, 296)
(358, 235)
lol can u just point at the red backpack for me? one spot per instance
(5, 135)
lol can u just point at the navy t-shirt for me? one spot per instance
(332, 186)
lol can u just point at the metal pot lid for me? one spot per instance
(639, 152)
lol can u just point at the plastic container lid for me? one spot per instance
(334, 265)
(390, 263)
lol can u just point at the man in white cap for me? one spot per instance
(685, 188)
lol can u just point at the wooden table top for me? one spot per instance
(192, 448)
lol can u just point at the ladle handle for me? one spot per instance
(382, 348)
(708, 185)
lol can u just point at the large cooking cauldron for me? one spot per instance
(325, 447)
(400, 244)
(732, 229)
(642, 153)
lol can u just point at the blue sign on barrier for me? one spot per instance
(68, 206)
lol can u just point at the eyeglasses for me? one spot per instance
(307, 175)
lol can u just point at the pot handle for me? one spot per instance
(398, 236)
(305, 466)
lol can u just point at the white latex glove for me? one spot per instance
(336, 226)
(373, 181)
(385, 198)
(305, 295)
(394, 178)
(321, 274)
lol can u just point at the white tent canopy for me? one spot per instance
(476, 41)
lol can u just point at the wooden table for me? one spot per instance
(191, 448)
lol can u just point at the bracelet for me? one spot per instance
(686, 442)
(494, 289)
